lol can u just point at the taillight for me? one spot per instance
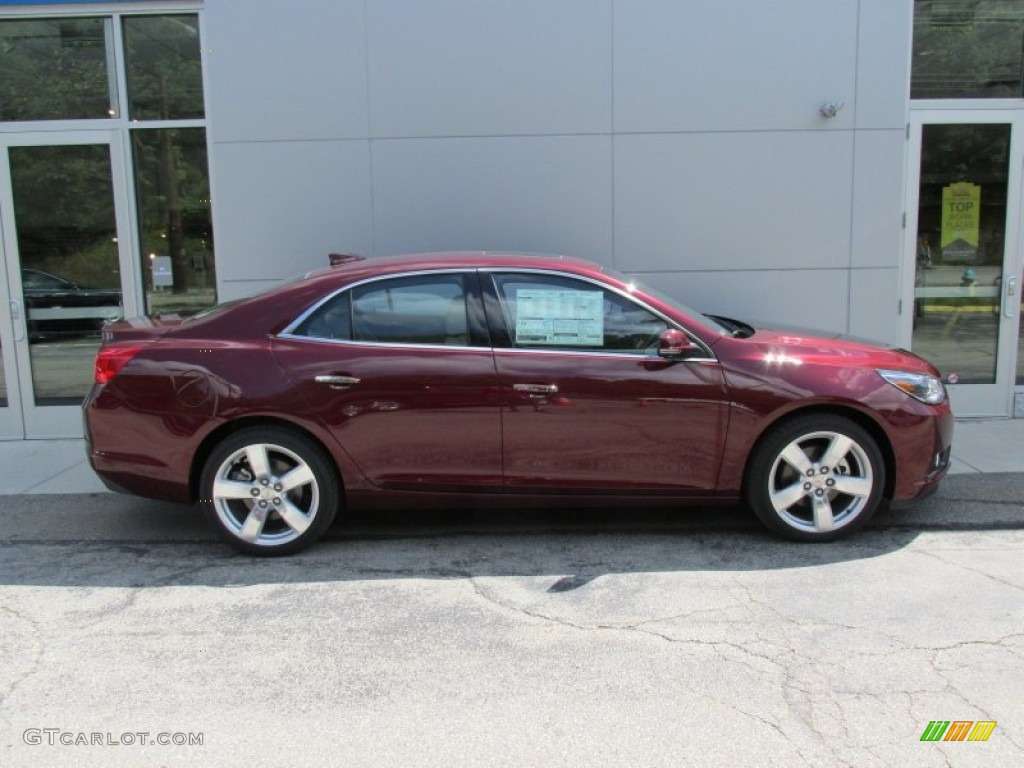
(110, 360)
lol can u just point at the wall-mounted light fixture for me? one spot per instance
(831, 108)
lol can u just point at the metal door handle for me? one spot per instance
(536, 389)
(1009, 305)
(337, 382)
(19, 326)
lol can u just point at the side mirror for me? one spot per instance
(674, 344)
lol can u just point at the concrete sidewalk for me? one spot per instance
(60, 466)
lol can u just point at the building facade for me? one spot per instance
(853, 166)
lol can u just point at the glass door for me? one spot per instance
(963, 233)
(63, 209)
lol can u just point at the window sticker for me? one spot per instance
(563, 318)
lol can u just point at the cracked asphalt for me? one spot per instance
(545, 638)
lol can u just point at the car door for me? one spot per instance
(588, 405)
(401, 371)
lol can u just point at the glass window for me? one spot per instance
(331, 321)
(961, 241)
(176, 230)
(545, 311)
(55, 69)
(67, 247)
(34, 280)
(428, 309)
(965, 50)
(165, 79)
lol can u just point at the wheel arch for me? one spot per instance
(859, 417)
(212, 440)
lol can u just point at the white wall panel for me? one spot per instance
(733, 200)
(874, 302)
(878, 198)
(682, 65)
(811, 299)
(288, 71)
(549, 194)
(883, 63)
(472, 68)
(282, 207)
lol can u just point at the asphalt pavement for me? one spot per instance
(130, 636)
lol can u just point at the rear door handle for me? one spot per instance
(1010, 303)
(536, 389)
(335, 381)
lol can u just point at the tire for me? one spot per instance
(269, 491)
(815, 478)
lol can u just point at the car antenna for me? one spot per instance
(337, 259)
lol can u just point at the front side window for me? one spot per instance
(428, 309)
(552, 312)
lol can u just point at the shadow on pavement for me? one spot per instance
(104, 540)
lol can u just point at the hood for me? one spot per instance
(805, 347)
(803, 331)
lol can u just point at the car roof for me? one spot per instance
(455, 259)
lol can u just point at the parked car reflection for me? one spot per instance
(58, 308)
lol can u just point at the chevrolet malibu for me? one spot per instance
(487, 379)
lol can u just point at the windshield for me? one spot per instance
(700, 317)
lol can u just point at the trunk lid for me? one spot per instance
(145, 328)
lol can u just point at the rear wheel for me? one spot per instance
(815, 478)
(270, 491)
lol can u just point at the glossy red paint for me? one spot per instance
(612, 424)
(429, 422)
(425, 422)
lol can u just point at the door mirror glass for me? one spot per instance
(674, 344)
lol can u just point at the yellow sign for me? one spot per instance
(961, 212)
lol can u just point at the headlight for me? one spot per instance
(928, 389)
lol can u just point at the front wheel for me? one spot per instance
(269, 491)
(815, 478)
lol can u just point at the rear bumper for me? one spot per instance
(128, 474)
(154, 475)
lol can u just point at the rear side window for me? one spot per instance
(331, 321)
(425, 309)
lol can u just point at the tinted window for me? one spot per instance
(409, 310)
(31, 279)
(965, 50)
(55, 69)
(164, 64)
(553, 312)
(331, 321)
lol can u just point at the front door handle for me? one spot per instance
(536, 389)
(1010, 301)
(335, 381)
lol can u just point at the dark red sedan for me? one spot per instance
(502, 379)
